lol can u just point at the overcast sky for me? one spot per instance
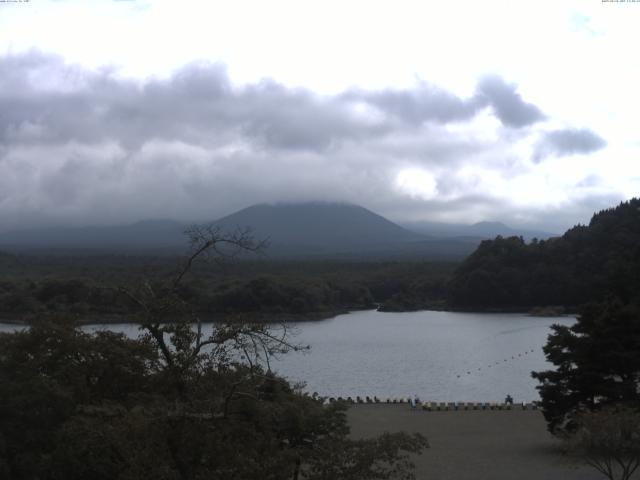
(520, 111)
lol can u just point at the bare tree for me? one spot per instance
(169, 320)
(609, 440)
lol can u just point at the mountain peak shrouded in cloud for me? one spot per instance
(88, 146)
(310, 230)
(322, 224)
(313, 230)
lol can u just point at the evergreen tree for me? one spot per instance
(597, 363)
(587, 263)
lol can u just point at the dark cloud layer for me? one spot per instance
(425, 103)
(46, 101)
(569, 141)
(428, 103)
(197, 105)
(507, 103)
(91, 147)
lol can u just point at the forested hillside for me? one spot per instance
(587, 263)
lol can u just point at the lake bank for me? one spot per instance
(276, 318)
(475, 444)
(257, 317)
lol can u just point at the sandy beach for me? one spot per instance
(475, 444)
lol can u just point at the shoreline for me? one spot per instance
(114, 319)
(270, 318)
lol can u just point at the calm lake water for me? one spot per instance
(439, 356)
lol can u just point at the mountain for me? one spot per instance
(587, 263)
(480, 230)
(341, 231)
(303, 230)
(319, 226)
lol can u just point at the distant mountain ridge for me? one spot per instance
(484, 230)
(294, 230)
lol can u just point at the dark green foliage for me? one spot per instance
(585, 264)
(173, 404)
(77, 406)
(273, 294)
(48, 372)
(30, 286)
(597, 363)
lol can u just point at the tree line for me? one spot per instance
(59, 285)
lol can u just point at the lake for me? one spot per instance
(439, 356)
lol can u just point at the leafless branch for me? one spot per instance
(209, 238)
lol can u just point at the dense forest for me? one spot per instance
(587, 263)
(87, 286)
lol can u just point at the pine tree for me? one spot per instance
(597, 363)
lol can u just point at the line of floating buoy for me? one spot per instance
(368, 399)
(497, 362)
(437, 406)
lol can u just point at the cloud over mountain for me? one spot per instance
(89, 146)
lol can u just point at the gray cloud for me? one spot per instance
(423, 104)
(507, 103)
(428, 103)
(569, 141)
(45, 100)
(81, 146)
(590, 181)
(197, 105)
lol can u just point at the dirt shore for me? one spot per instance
(475, 444)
